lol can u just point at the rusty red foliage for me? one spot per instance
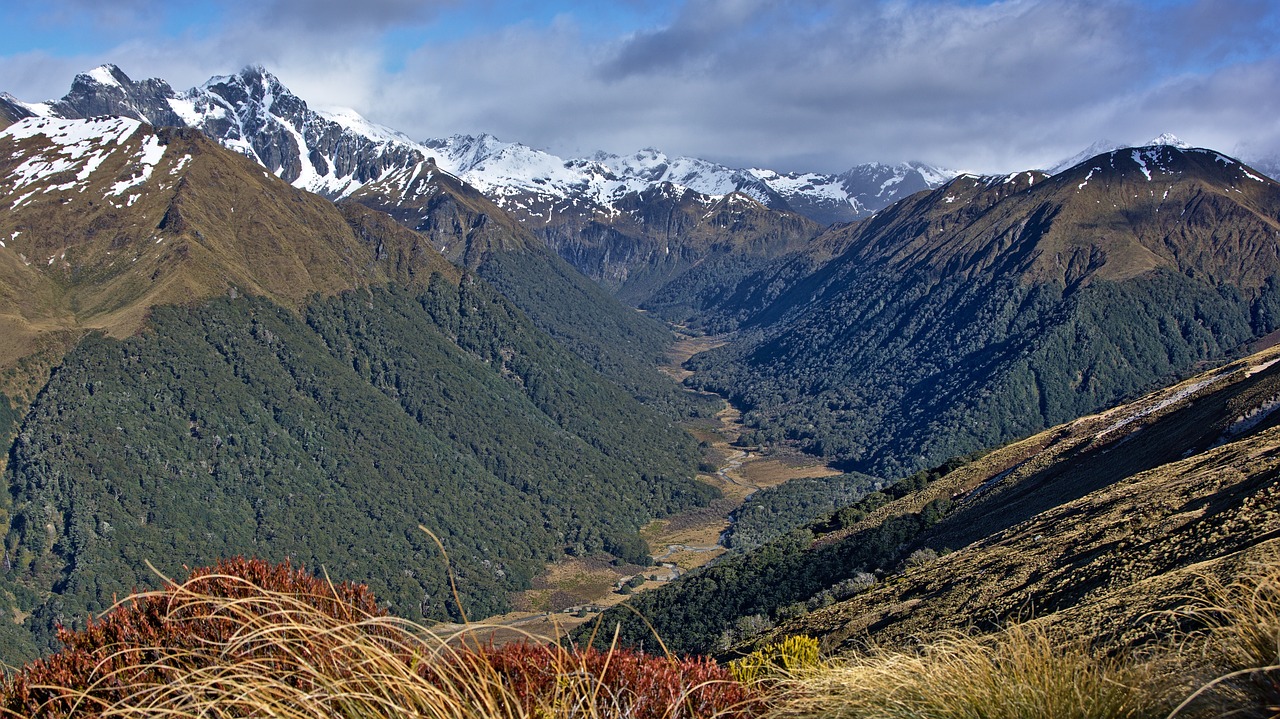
(625, 682)
(126, 646)
(142, 642)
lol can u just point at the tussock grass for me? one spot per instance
(1241, 640)
(220, 645)
(245, 639)
(1021, 673)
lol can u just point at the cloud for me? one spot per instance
(345, 17)
(698, 31)
(756, 82)
(801, 84)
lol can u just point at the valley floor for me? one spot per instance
(573, 591)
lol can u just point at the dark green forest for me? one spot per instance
(771, 512)
(888, 374)
(237, 427)
(694, 614)
(619, 343)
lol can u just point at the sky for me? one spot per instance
(790, 85)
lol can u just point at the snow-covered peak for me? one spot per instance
(254, 84)
(335, 152)
(1168, 138)
(507, 169)
(1103, 147)
(356, 123)
(107, 75)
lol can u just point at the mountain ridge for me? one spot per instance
(332, 153)
(1029, 299)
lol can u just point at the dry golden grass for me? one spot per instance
(1242, 642)
(685, 348)
(1223, 661)
(1022, 673)
(772, 471)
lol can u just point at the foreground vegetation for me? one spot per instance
(248, 639)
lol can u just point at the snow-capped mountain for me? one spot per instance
(519, 177)
(631, 222)
(336, 152)
(250, 112)
(1102, 147)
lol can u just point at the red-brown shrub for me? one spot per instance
(139, 642)
(275, 626)
(624, 683)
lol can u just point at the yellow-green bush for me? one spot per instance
(788, 656)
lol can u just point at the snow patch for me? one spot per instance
(149, 155)
(1142, 164)
(78, 146)
(102, 74)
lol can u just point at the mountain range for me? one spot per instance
(333, 153)
(245, 326)
(224, 364)
(596, 212)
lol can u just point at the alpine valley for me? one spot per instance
(235, 325)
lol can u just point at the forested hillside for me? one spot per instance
(1098, 525)
(237, 428)
(993, 307)
(466, 227)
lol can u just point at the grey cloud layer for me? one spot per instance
(802, 84)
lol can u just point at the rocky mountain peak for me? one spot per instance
(107, 90)
(1167, 138)
(254, 85)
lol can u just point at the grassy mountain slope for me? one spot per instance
(993, 307)
(110, 217)
(1090, 524)
(470, 230)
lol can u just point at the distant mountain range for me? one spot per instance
(333, 153)
(633, 224)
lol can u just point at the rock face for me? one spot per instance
(251, 112)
